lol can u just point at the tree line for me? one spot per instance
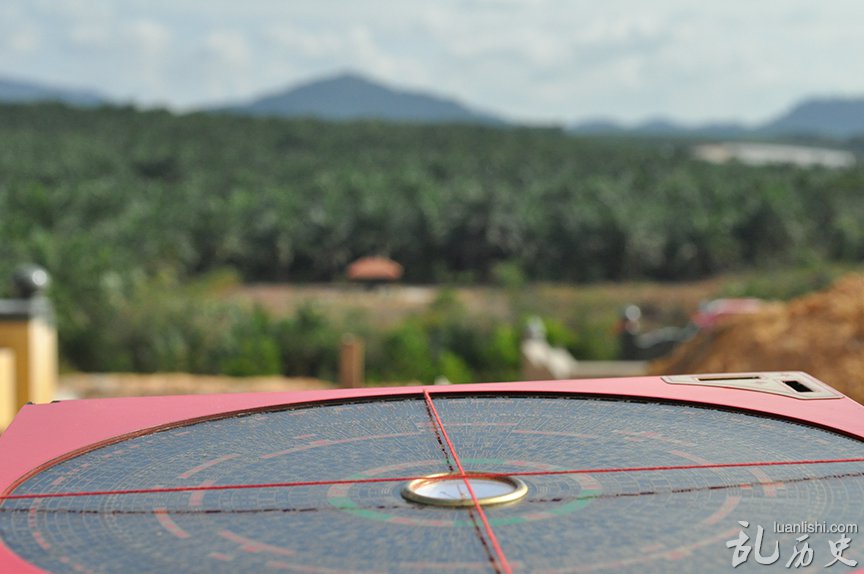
(114, 198)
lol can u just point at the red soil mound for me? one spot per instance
(821, 333)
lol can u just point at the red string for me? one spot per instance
(159, 490)
(676, 467)
(462, 475)
(502, 560)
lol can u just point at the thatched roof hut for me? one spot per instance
(374, 270)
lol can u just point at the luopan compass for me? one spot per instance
(618, 475)
(447, 489)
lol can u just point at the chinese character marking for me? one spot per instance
(837, 549)
(802, 557)
(742, 551)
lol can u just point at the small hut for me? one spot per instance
(374, 271)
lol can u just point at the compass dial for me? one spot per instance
(567, 484)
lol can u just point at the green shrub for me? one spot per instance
(252, 348)
(308, 344)
(454, 369)
(407, 355)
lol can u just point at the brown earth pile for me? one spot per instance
(821, 334)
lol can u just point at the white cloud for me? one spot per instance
(19, 34)
(606, 30)
(314, 52)
(23, 41)
(91, 35)
(227, 60)
(149, 36)
(543, 59)
(227, 47)
(147, 44)
(303, 42)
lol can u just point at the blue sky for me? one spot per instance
(531, 60)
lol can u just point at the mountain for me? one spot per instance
(659, 127)
(20, 92)
(598, 126)
(830, 117)
(350, 97)
(836, 117)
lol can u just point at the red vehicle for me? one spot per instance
(638, 346)
(711, 312)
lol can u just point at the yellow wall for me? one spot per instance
(34, 345)
(7, 387)
(43, 345)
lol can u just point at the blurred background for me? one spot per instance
(261, 195)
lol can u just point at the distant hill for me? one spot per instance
(660, 127)
(834, 117)
(21, 92)
(350, 97)
(598, 126)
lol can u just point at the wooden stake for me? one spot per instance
(351, 362)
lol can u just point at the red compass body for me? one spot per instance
(646, 474)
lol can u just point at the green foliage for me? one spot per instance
(595, 339)
(445, 340)
(501, 354)
(454, 369)
(783, 284)
(309, 344)
(255, 352)
(407, 355)
(280, 199)
(147, 324)
(124, 208)
(508, 274)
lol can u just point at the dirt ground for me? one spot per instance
(391, 304)
(821, 334)
(90, 385)
(382, 307)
